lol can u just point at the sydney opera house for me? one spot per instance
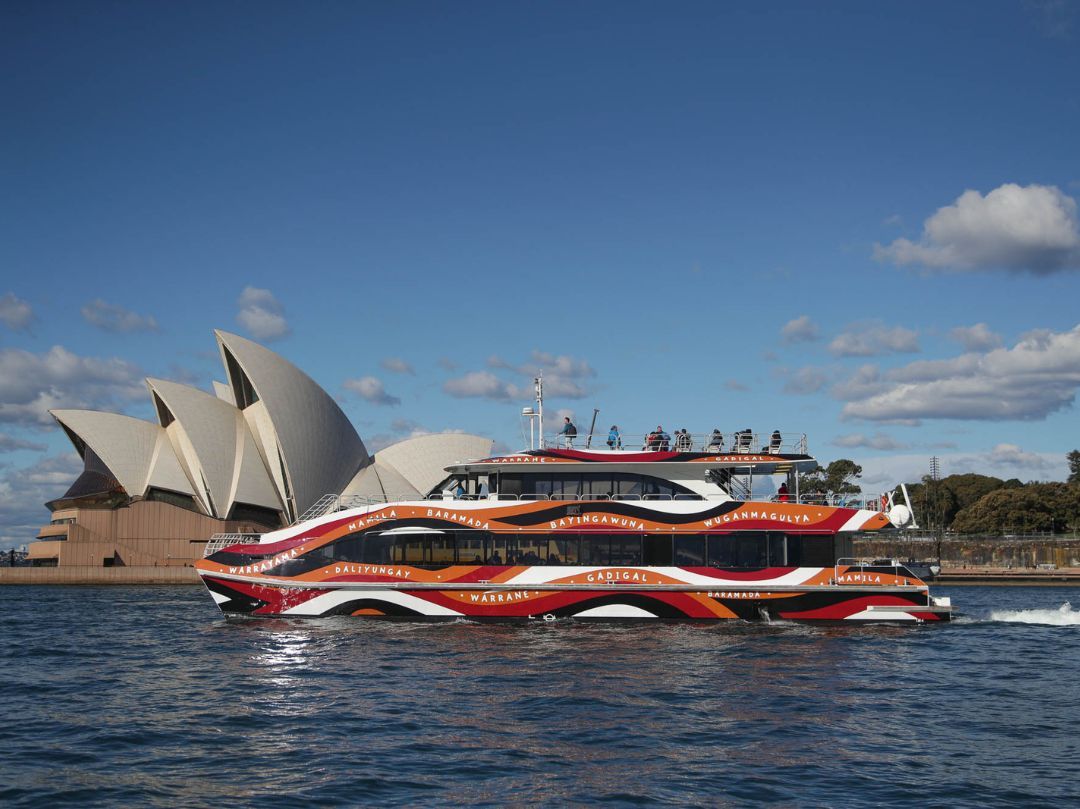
(253, 456)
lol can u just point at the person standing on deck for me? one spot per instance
(614, 440)
(569, 433)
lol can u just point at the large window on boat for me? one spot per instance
(599, 485)
(424, 547)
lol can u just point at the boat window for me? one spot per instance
(473, 547)
(376, 548)
(610, 549)
(440, 550)
(598, 485)
(564, 551)
(777, 553)
(810, 550)
(347, 549)
(690, 551)
(749, 549)
(509, 484)
(656, 550)
(625, 549)
(756, 549)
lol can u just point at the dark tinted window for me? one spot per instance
(656, 550)
(690, 551)
(610, 549)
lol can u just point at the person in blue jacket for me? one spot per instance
(614, 440)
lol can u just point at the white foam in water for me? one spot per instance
(1064, 615)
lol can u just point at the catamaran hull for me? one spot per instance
(237, 597)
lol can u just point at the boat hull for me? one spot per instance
(237, 596)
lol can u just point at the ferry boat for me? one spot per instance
(636, 530)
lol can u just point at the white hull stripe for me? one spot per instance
(615, 611)
(542, 575)
(858, 520)
(322, 603)
(881, 615)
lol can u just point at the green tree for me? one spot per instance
(837, 478)
(937, 504)
(1034, 507)
(1074, 466)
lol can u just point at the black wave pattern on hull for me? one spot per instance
(654, 606)
(237, 602)
(387, 608)
(622, 508)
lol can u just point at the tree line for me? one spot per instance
(972, 503)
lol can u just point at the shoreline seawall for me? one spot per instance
(85, 574)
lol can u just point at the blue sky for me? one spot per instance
(852, 220)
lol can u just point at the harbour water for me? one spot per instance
(145, 696)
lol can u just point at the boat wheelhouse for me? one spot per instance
(635, 530)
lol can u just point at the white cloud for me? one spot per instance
(1011, 455)
(885, 471)
(9, 443)
(15, 313)
(24, 492)
(976, 338)
(800, 330)
(1029, 381)
(371, 389)
(32, 384)
(396, 365)
(872, 339)
(261, 314)
(110, 317)
(553, 422)
(877, 441)
(1030, 229)
(564, 377)
(482, 385)
(806, 380)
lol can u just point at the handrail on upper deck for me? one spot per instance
(741, 443)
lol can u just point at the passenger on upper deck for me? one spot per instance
(716, 442)
(569, 433)
(774, 443)
(665, 439)
(654, 439)
(614, 440)
(683, 441)
(782, 493)
(743, 439)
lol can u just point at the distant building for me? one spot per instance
(251, 458)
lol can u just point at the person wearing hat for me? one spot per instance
(614, 440)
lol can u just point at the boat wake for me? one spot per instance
(1064, 615)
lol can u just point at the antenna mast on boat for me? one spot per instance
(539, 381)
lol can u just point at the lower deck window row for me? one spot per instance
(748, 549)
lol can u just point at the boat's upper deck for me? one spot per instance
(662, 454)
(658, 462)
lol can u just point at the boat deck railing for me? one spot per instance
(221, 541)
(742, 443)
(859, 565)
